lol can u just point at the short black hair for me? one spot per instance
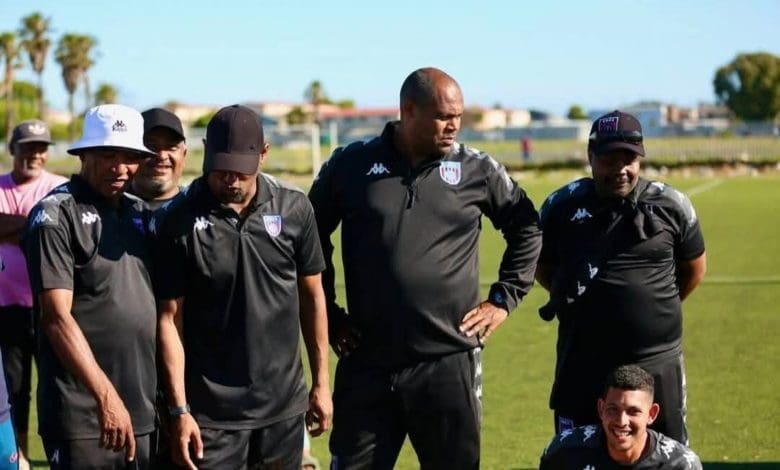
(630, 377)
(420, 86)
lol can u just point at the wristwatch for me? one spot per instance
(178, 410)
(497, 298)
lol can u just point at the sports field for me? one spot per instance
(731, 347)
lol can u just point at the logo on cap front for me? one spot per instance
(273, 224)
(608, 125)
(36, 129)
(119, 126)
(450, 172)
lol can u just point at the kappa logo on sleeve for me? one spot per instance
(42, 218)
(580, 214)
(450, 172)
(378, 169)
(201, 223)
(588, 432)
(89, 218)
(273, 224)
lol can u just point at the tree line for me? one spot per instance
(749, 85)
(73, 52)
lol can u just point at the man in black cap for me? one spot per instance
(20, 190)
(89, 262)
(410, 203)
(620, 254)
(157, 180)
(239, 278)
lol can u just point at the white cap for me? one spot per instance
(112, 125)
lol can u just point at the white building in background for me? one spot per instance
(189, 113)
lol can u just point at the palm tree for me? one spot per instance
(72, 54)
(315, 95)
(9, 50)
(35, 42)
(106, 94)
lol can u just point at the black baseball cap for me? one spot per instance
(616, 130)
(234, 140)
(31, 131)
(159, 117)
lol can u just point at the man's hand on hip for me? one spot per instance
(483, 320)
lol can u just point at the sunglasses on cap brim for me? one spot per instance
(631, 137)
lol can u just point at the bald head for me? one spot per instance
(431, 108)
(422, 86)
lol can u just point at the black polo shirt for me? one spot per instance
(239, 281)
(409, 241)
(586, 448)
(76, 241)
(628, 309)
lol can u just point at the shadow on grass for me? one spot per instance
(741, 465)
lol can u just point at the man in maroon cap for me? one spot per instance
(26, 184)
(620, 254)
(238, 281)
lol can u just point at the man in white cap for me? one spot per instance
(20, 189)
(89, 265)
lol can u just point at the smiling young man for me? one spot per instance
(20, 190)
(623, 440)
(89, 264)
(410, 203)
(157, 179)
(619, 256)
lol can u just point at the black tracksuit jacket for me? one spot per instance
(410, 245)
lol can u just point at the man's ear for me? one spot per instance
(264, 152)
(655, 408)
(600, 407)
(407, 108)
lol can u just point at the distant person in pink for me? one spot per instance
(20, 190)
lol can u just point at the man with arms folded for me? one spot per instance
(20, 190)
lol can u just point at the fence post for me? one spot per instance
(316, 158)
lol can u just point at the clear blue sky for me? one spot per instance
(543, 55)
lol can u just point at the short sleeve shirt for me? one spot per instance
(75, 241)
(19, 199)
(239, 280)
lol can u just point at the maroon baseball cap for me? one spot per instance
(31, 131)
(616, 130)
(234, 140)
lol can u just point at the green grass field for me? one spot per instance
(731, 347)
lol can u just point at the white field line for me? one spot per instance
(741, 280)
(696, 190)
